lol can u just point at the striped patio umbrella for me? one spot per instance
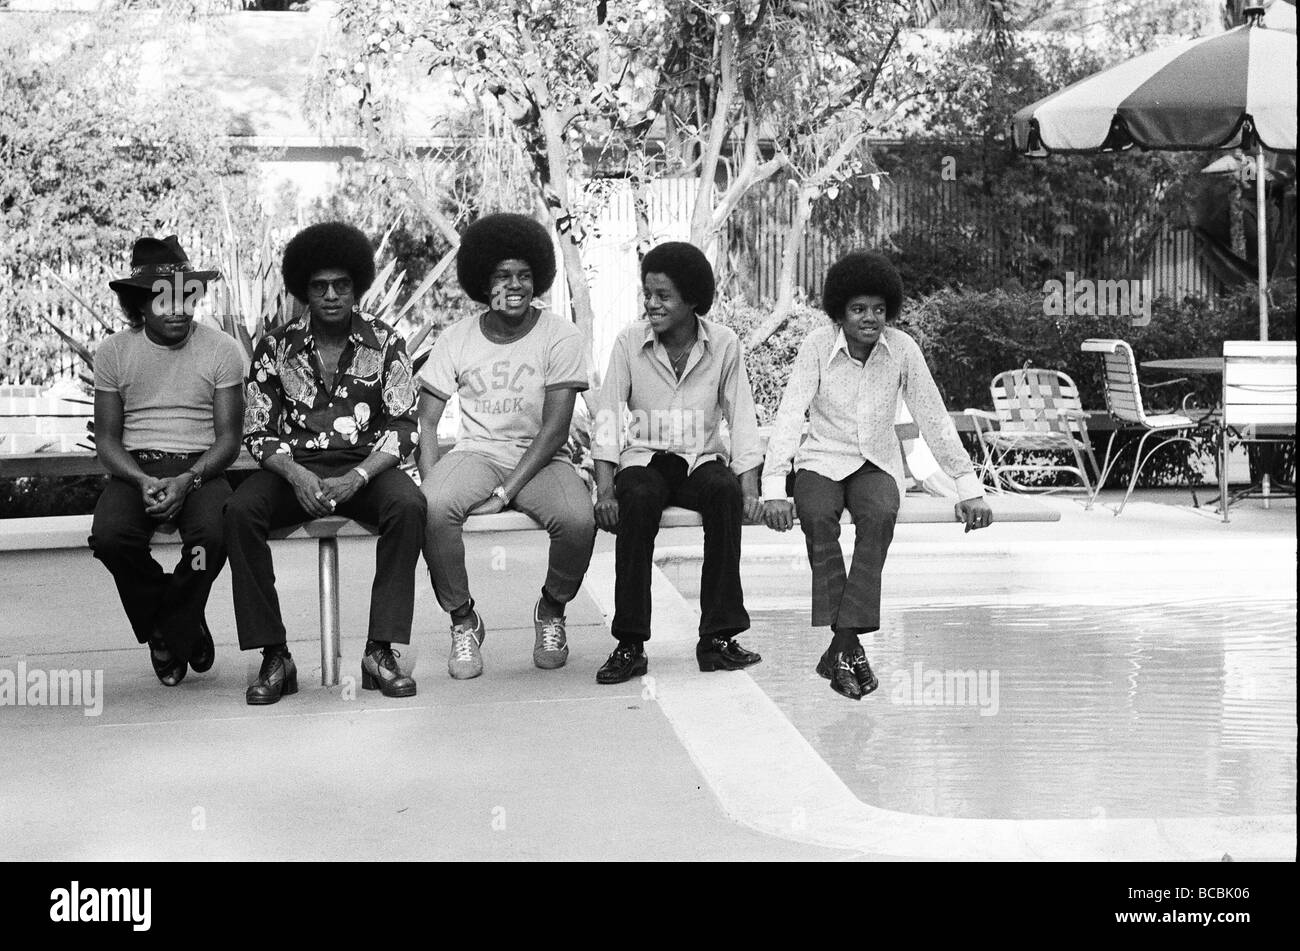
(1237, 89)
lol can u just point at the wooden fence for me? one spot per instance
(756, 238)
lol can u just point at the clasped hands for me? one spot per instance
(321, 497)
(163, 497)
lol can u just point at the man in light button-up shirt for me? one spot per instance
(658, 441)
(847, 379)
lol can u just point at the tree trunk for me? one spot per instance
(551, 164)
(789, 262)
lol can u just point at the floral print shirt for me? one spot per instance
(289, 409)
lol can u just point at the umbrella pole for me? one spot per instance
(1261, 238)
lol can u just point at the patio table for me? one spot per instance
(1264, 458)
(1208, 365)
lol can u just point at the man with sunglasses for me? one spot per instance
(330, 415)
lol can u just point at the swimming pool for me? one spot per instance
(1047, 702)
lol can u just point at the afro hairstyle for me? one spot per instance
(686, 266)
(503, 237)
(331, 244)
(859, 273)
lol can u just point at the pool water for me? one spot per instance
(1051, 711)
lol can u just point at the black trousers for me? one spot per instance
(265, 501)
(154, 600)
(643, 492)
(847, 601)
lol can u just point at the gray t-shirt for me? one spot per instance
(167, 391)
(503, 384)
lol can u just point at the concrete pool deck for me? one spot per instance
(521, 763)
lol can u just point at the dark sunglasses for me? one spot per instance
(341, 285)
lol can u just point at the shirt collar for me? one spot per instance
(298, 334)
(842, 344)
(702, 333)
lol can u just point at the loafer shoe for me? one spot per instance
(466, 660)
(721, 653)
(836, 669)
(277, 678)
(379, 671)
(168, 671)
(627, 661)
(551, 645)
(862, 670)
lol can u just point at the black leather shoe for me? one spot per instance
(205, 652)
(167, 670)
(626, 662)
(379, 671)
(836, 669)
(862, 670)
(277, 678)
(721, 653)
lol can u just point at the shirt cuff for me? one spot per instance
(774, 488)
(969, 486)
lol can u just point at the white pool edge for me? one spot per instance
(767, 777)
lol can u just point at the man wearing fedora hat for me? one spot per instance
(168, 407)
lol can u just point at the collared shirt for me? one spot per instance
(289, 409)
(851, 406)
(643, 407)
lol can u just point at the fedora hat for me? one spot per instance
(154, 258)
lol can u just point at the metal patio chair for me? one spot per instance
(1259, 406)
(1035, 410)
(1125, 404)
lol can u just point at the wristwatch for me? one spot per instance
(198, 479)
(500, 493)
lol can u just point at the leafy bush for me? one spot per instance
(42, 496)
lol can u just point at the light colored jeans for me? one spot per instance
(556, 498)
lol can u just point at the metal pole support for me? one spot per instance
(330, 637)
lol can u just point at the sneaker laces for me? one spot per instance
(552, 634)
(463, 642)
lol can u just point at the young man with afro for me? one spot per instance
(330, 414)
(847, 380)
(671, 382)
(517, 371)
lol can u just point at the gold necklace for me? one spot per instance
(680, 358)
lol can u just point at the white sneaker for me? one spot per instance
(551, 647)
(466, 661)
